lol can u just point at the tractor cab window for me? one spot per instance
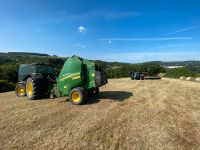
(44, 69)
(26, 69)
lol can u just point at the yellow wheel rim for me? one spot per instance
(76, 97)
(29, 88)
(21, 91)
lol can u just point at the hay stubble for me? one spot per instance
(158, 114)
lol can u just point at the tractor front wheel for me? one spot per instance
(77, 96)
(20, 90)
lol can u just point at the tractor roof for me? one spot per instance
(32, 64)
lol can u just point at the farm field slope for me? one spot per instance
(158, 114)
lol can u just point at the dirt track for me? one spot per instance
(163, 114)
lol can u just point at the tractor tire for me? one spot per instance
(20, 90)
(94, 92)
(34, 88)
(77, 96)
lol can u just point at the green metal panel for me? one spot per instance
(89, 74)
(70, 76)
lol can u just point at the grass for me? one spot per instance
(158, 114)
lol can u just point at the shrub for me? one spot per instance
(9, 72)
(5, 86)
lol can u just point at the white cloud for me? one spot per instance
(109, 42)
(181, 30)
(146, 39)
(82, 29)
(117, 14)
(168, 46)
(81, 45)
(102, 14)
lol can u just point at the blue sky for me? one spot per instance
(121, 30)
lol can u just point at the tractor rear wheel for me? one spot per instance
(20, 90)
(77, 96)
(94, 91)
(34, 88)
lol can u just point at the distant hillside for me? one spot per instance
(25, 57)
(27, 53)
(22, 57)
(178, 63)
(106, 64)
(193, 66)
(12, 60)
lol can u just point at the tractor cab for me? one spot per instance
(29, 69)
(137, 76)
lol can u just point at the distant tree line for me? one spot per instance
(179, 72)
(128, 69)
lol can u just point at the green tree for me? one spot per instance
(178, 72)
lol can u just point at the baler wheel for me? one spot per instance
(77, 96)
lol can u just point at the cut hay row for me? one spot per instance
(197, 80)
(190, 79)
(182, 78)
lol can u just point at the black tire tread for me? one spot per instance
(92, 93)
(38, 87)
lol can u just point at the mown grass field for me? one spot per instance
(157, 114)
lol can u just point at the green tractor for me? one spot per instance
(78, 79)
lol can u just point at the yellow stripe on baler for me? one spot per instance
(72, 75)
